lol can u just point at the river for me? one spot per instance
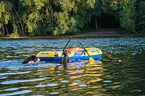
(120, 71)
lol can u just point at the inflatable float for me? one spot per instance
(75, 54)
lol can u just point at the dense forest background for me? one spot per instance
(58, 17)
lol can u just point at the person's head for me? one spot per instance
(66, 52)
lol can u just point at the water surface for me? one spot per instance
(120, 72)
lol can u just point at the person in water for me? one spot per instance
(32, 59)
(65, 58)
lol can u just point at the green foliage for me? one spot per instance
(15, 31)
(141, 17)
(65, 24)
(66, 5)
(72, 25)
(62, 23)
(5, 14)
(40, 3)
(32, 17)
(33, 20)
(1, 25)
(91, 3)
(127, 16)
(74, 16)
(58, 17)
(111, 5)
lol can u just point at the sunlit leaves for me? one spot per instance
(62, 22)
(33, 15)
(5, 14)
(33, 20)
(66, 5)
(91, 3)
(27, 2)
(2, 7)
(40, 3)
(15, 30)
(75, 14)
(72, 25)
(47, 17)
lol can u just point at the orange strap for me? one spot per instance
(75, 49)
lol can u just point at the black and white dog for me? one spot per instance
(31, 60)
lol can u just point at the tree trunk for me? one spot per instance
(16, 4)
(6, 29)
(3, 29)
(47, 10)
(134, 30)
(22, 27)
(96, 23)
(51, 10)
(16, 21)
(18, 26)
(52, 18)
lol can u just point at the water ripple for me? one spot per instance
(1, 74)
(120, 70)
(16, 93)
(54, 93)
(17, 81)
(53, 84)
(40, 86)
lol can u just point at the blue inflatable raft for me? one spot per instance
(75, 54)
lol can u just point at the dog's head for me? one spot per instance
(31, 59)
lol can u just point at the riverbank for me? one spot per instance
(100, 33)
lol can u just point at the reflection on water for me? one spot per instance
(52, 79)
(120, 72)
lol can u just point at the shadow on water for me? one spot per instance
(120, 72)
(125, 73)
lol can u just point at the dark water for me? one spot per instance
(120, 72)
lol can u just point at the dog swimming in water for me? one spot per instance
(31, 60)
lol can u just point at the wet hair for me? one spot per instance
(31, 58)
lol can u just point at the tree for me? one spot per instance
(58, 17)
(74, 15)
(5, 15)
(97, 10)
(16, 14)
(32, 16)
(39, 16)
(141, 17)
(128, 16)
